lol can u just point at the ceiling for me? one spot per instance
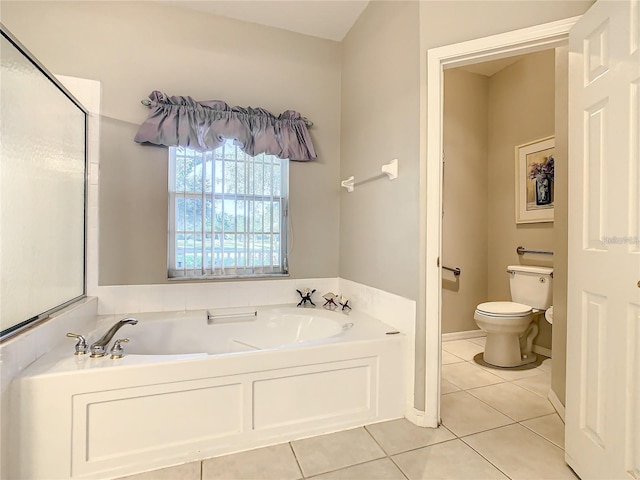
(492, 67)
(319, 18)
(329, 19)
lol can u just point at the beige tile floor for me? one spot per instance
(496, 424)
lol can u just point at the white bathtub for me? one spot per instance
(229, 330)
(191, 387)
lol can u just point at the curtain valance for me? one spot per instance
(182, 121)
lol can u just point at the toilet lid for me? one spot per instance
(504, 308)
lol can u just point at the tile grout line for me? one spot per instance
(348, 466)
(500, 412)
(540, 435)
(541, 416)
(471, 362)
(399, 468)
(499, 383)
(471, 388)
(496, 428)
(388, 455)
(375, 440)
(515, 422)
(296, 459)
(535, 393)
(512, 382)
(482, 431)
(485, 458)
(461, 438)
(344, 468)
(413, 449)
(504, 380)
(487, 430)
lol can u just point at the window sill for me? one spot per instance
(210, 278)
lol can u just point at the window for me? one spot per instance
(227, 213)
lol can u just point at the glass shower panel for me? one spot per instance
(42, 191)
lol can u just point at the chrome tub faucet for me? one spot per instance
(99, 347)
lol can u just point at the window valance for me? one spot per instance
(182, 121)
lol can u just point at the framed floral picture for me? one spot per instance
(535, 181)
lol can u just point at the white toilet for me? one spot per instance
(509, 325)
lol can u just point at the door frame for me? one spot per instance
(518, 42)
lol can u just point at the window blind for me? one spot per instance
(228, 213)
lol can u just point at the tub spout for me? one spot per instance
(99, 347)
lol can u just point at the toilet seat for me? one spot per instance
(504, 309)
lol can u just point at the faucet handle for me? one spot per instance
(117, 351)
(81, 346)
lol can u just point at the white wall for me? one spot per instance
(379, 220)
(521, 110)
(465, 193)
(133, 48)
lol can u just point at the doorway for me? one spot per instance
(488, 108)
(524, 41)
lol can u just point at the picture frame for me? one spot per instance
(535, 175)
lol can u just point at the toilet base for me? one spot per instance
(503, 350)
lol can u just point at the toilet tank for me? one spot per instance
(531, 285)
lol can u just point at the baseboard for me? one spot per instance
(557, 404)
(447, 337)
(542, 350)
(418, 417)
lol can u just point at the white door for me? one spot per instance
(603, 317)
